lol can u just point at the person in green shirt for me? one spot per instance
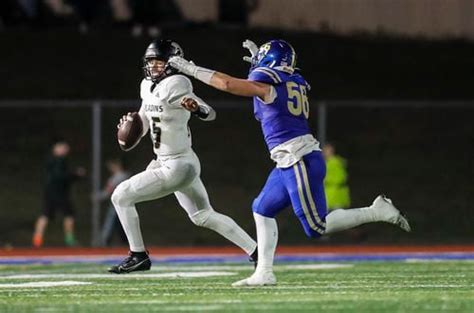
(336, 187)
(335, 183)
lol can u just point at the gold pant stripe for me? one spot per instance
(303, 202)
(310, 196)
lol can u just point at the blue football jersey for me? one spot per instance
(287, 116)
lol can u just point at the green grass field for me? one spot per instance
(351, 287)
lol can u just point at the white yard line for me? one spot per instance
(122, 276)
(249, 267)
(41, 284)
(315, 266)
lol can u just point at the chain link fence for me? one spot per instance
(417, 152)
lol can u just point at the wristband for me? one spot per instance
(201, 112)
(204, 74)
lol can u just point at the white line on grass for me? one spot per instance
(115, 276)
(434, 260)
(315, 266)
(278, 267)
(40, 284)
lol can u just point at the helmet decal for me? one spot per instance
(277, 54)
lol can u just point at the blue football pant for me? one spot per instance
(300, 185)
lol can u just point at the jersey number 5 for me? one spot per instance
(297, 99)
(156, 132)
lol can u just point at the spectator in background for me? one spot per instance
(57, 196)
(335, 183)
(112, 222)
(13, 12)
(336, 187)
(92, 11)
(150, 15)
(236, 12)
(121, 12)
(56, 13)
(86, 11)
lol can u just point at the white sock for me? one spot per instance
(131, 225)
(342, 219)
(229, 229)
(267, 238)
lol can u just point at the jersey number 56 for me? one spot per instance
(297, 99)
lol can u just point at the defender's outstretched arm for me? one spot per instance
(221, 81)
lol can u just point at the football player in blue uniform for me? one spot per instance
(280, 99)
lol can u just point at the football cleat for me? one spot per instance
(254, 258)
(266, 278)
(390, 213)
(136, 261)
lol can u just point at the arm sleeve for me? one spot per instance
(180, 87)
(205, 112)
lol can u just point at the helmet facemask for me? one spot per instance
(150, 69)
(160, 50)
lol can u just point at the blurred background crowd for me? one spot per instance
(138, 16)
(391, 89)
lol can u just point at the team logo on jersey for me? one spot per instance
(153, 108)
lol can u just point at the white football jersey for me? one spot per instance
(162, 114)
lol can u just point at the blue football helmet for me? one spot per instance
(277, 54)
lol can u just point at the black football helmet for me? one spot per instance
(162, 50)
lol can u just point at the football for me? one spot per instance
(130, 132)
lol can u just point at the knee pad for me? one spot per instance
(200, 218)
(119, 193)
(258, 208)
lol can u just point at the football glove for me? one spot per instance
(183, 65)
(191, 69)
(253, 49)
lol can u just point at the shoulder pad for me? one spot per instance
(175, 86)
(300, 79)
(265, 75)
(179, 82)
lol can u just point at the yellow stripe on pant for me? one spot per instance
(303, 202)
(310, 195)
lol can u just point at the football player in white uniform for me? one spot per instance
(168, 102)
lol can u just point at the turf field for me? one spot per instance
(375, 286)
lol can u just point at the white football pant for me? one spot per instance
(178, 175)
